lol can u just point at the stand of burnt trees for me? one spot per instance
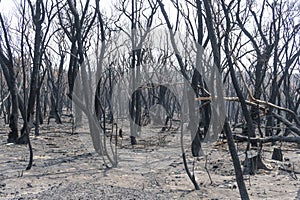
(254, 47)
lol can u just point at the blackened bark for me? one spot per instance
(9, 73)
(250, 126)
(236, 162)
(59, 97)
(55, 94)
(38, 17)
(211, 34)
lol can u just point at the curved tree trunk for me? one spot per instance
(9, 74)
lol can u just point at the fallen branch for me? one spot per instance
(230, 99)
(262, 105)
(288, 170)
(268, 139)
(254, 102)
(290, 125)
(265, 103)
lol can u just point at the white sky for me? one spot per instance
(6, 6)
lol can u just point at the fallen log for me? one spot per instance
(268, 139)
(288, 170)
(289, 125)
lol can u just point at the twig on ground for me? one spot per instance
(211, 182)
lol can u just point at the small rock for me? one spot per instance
(173, 165)
(286, 159)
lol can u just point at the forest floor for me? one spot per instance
(66, 167)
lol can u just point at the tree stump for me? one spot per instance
(277, 154)
(250, 164)
(133, 140)
(253, 162)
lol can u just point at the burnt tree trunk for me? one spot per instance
(236, 162)
(54, 94)
(38, 17)
(9, 74)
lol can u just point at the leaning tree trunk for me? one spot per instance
(236, 162)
